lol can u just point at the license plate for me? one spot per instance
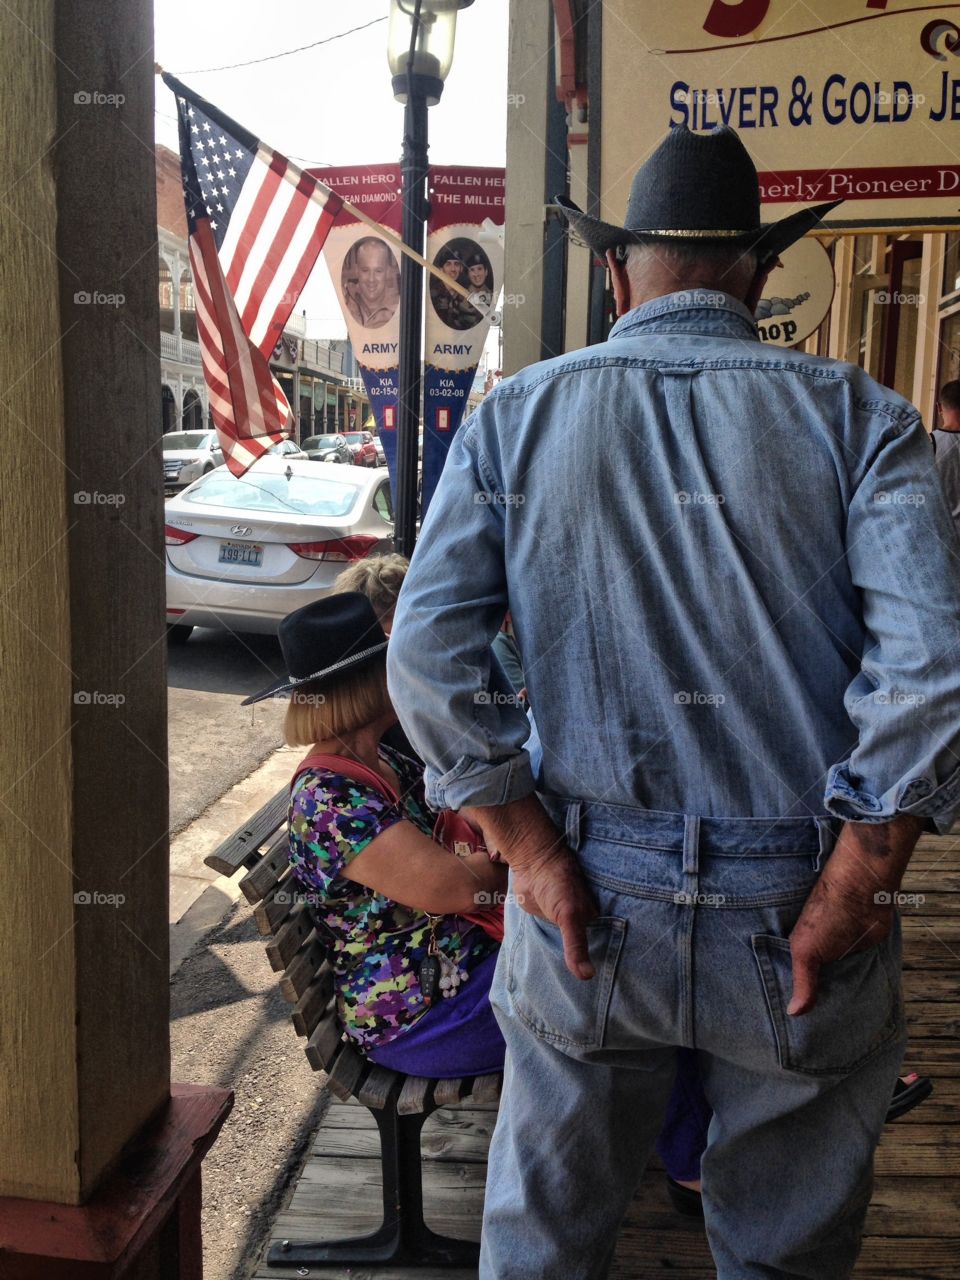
(241, 553)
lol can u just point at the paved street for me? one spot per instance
(214, 742)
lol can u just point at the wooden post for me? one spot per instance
(928, 330)
(84, 1056)
(526, 130)
(842, 340)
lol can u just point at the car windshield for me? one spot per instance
(312, 442)
(185, 439)
(354, 437)
(306, 495)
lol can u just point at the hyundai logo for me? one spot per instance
(241, 530)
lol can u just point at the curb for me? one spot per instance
(199, 897)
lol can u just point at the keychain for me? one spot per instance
(438, 972)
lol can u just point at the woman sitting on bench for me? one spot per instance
(412, 975)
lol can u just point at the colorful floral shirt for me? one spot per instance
(376, 944)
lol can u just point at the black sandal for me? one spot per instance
(684, 1199)
(908, 1096)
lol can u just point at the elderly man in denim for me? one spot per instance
(741, 644)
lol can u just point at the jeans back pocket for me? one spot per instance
(556, 1006)
(858, 1009)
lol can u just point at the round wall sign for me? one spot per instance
(797, 295)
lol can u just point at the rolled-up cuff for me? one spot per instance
(480, 782)
(921, 796)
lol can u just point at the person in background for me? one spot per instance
(507, 652)
(946, 442)
(379, 578)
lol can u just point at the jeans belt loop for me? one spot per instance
(572, 827)
(826, 830)
(691, 844)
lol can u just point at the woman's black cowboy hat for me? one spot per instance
(696, 187)
(326, 639)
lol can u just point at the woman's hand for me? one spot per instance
(404, 864)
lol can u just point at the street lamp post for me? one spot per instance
(420, 53)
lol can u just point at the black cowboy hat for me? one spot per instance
(696, 186)
(325, 639)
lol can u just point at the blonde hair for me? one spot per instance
(379, 579)
(337, 707)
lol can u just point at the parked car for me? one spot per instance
(244, 552)
(287, 449)
(381, 456)
(362, 447)
(187, 455)
(328, 449)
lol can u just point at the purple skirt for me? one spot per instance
(456, 1037)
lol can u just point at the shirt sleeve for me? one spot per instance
(332, 820)
(451, 606)
(904, 556)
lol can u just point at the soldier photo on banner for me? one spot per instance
(466, 263)
(465, 242)
(370, 282)
(365, 271)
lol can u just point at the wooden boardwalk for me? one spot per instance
(913, 1228)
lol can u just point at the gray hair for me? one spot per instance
(727, 267)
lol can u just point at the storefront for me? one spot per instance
(793, 81)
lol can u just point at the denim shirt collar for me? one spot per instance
(699, 310)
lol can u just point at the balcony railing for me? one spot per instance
(174, 346)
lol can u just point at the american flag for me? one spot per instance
(256, 225)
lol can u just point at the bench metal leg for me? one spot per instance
(403, 1239)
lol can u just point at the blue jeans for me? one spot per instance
(690, 949)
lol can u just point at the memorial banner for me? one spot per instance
(365, 271)
(465, 241)
(831, 98)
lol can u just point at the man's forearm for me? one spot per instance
(873, 856)
(520, 831)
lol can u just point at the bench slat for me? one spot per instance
(323, 1045)
(414, 1096)
(293, 933)
(306, 965)
(273, 910)
(447, 1092)
(256, 884)
(487, 1088)
(311, 1005)
(241, 848)
(377, 1087)
(343, 1076)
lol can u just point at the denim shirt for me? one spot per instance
(733, 577)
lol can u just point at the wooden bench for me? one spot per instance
(399, 1103)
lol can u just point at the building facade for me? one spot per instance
(571, 130)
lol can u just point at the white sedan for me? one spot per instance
(187, 455)
(243, 553)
